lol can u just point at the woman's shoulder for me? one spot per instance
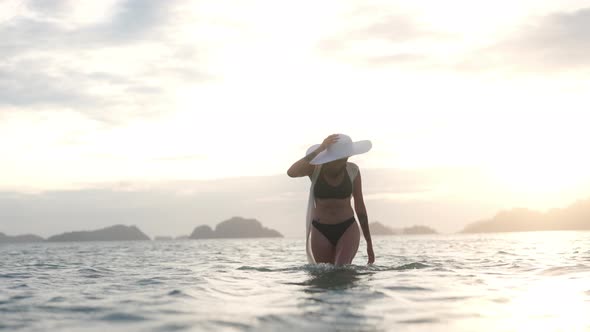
(351, 165)
(353, 169)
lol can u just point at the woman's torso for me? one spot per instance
(333, 204)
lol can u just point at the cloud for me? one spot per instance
(48, 6)
(36, 85)
(382, 40)
(112, 70)
(551, 43)
(393, 29)
(23, 84)
(135, 20)
(556, 42)
(132, 21)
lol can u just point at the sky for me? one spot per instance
(484, 104)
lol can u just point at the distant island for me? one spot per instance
(236, 227)
(112, 233)
(378, 228)
(20, 238)
(574, 217)
(418, 229)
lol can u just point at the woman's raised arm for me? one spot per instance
(302, 167)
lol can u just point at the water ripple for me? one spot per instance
(123, 317)
(424, 283)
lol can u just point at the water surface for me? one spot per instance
(486, 282)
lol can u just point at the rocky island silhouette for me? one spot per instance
(236, 227)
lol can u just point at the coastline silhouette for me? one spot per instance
(112, 233)
(574, 217)
(236, 227)
(20, 238)
(381, 229)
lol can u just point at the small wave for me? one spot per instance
(502, 252)
(89, 272)
(83, 309)
(372, 268)
(172, 327)
(15, 275)
(233, 325)
(307, 267)
(442, 269)
(47, 266)
(69, 309)
(20, 297)
(178, 293)
(7, 327)
(149, 281)
(252, 268)
(319, 267)
(425, 320)
(411, 266)
(408, 288)
(562, 270)
(175, 292)
(442, 299)
(123, 317)
(326, 267)
(19, 286)
(57, 299)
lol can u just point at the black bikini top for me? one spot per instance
(323, 189)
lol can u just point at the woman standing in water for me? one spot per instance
(334, 237)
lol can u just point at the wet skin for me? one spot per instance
(334, 211)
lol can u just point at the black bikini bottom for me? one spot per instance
(333, 232)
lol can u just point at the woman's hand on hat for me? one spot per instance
(329, 141)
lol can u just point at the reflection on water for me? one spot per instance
(459, 283)
(331, 278)
(555, 304)
(323, 277)
(337, 298)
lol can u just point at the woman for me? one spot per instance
(334, 237)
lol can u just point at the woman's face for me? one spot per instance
(336, 166)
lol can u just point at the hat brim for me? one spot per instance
(326, 156)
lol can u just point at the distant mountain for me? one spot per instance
(378, 228)
(112, 233)
(574, 217)
(20, 238)
(418, 229)
(203, 232)
(236, 227)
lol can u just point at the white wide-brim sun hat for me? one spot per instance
(344, 147)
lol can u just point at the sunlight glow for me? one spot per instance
(244, 88)
(550, 305)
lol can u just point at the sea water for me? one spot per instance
(479, 282)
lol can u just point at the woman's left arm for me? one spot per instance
(361, 212)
